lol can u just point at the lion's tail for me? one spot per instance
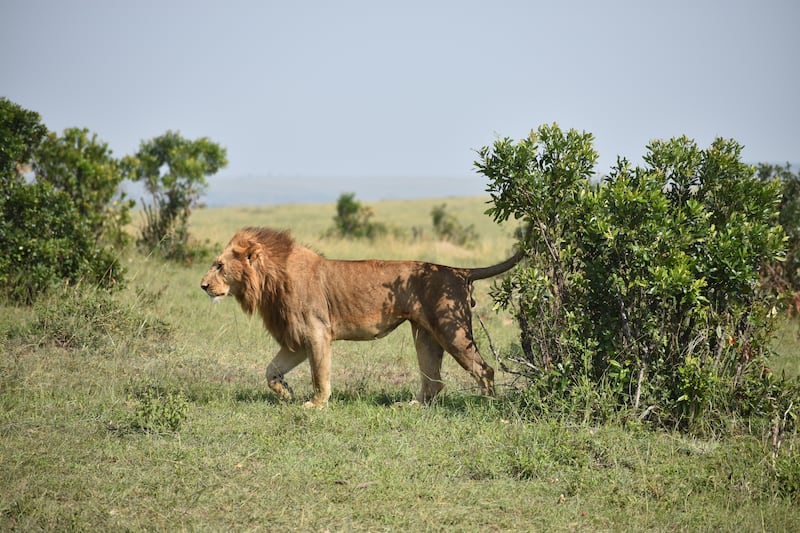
(494, 270)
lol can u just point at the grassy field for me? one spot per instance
(89, 386)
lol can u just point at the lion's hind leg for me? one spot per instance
(458, 341)
(429, 356)
(283, 362)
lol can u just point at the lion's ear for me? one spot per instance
(247, 252)
(253, 254)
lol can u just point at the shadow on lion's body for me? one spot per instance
(307, 301)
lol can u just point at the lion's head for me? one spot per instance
(251, 260)
(225, 275)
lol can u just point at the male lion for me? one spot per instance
(307, 301)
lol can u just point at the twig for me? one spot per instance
(491, 345)
(646, 412)
(777, 431)
(503, 366)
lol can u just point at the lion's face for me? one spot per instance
(224, 277)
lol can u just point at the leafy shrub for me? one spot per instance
(45, 239)
(21, 131)
(647, 283)
(784, 275)
(354, 220)
(157, 408)
(81, 165)
(447, 227)
(46, 242)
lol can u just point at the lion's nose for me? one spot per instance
(204, 286)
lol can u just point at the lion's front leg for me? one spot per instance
(280, 365)
(320, 359)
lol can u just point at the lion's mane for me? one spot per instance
(261, 256)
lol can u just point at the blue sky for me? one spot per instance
(355, 92)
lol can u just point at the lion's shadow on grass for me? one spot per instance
(402, 397)
(208, 393)
(256, 395)
(455, 401)
(383, 397)
(341, 397)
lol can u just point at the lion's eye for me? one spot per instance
(219, 266)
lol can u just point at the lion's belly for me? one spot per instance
(366, 331)
(369, 312)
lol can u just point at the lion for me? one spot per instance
(307, 301)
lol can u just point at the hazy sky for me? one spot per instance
(362, 89)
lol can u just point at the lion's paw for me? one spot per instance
(412, 403)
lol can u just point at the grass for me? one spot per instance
(786, 345)
(75, 453)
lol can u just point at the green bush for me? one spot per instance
(447, 227)
(81, 165)
(354, 220)
(156, 408)
(45, 238)
(21, 132)
(646, 284)
(785, 275)
(46, 242)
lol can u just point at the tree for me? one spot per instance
(174, 171)
(644, 288)
(44, 239)
(21, 131)
(81, 165)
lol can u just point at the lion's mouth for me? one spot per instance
(216, 297)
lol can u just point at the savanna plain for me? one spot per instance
(148, 410)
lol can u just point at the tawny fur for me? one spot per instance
(307, 301)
